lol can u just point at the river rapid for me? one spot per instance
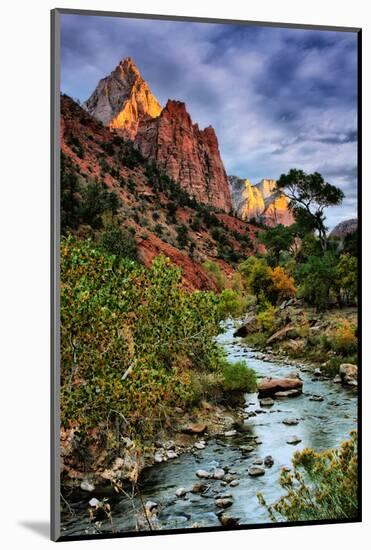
(322, 424)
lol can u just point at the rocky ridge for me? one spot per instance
(261, 202)
(122, 99)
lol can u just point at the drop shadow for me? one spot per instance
(41, 528)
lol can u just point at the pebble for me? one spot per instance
(228, 521)
(258, 461)
(94, 502)
(200, 445)
(158, 458)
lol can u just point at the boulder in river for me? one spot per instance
(316, 398)
(219, 473)
(224, 502)
(203, 474)
(199, 488)
(268, 461)
(290, 421)
(228, 521)
(256, 471)
(194, 429)
(348, 374)
(234, 483)
(181, 492)
(151, 506)
(268, 387)
(294, 440)
(266, 402)
(287, 393)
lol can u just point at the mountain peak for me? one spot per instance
(122, 99)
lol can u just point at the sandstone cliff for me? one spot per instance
(123, 98)
(188, 155)
(345, 228)
(261, 202)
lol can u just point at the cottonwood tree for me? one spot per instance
(309, 195)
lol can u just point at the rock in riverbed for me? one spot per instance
(194, 429)
(224, 502)
(290, 421)
(228, 521)
(266, 402)
(203, 474)
(294, 440)
(219, 473)
(181, 492)
(268, 461)
(316, 398)
(269, 387)
(87, 486)
(199, 488)
(256, 471)
(348, 374)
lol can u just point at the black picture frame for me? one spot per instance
(55, 267)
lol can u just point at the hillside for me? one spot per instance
(163, 217)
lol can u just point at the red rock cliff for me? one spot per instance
(189, 155)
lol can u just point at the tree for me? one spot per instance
(309, 195)
(277, 239)
(347, 277)
(120, 242)
(317, 277)
(282, 285)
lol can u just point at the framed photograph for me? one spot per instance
(206, 185)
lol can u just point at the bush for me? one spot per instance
(343, 340)
(266, 319)
(119, 242)
(238, 377)
(127, 334)
(218, 275)
(321, 486)
(257, 340)
(232, 304)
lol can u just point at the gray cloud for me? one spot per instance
(277, 98)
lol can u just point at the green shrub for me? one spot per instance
(238, 377)
(321, 486)
(232, 303)
(119, 242)
(266, 319)
(218, 275)
(257, 339)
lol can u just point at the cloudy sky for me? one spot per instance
(277, 98)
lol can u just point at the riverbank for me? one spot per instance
(263, 432)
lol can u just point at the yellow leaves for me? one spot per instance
(282, 282)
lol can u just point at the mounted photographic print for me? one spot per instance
(205, 339)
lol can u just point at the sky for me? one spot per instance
(278, 98)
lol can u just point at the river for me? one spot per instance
(322, 424)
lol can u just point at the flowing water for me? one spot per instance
(322, 424)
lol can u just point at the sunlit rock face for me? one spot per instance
(261, 202)
(187, 154)
(122, 99)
